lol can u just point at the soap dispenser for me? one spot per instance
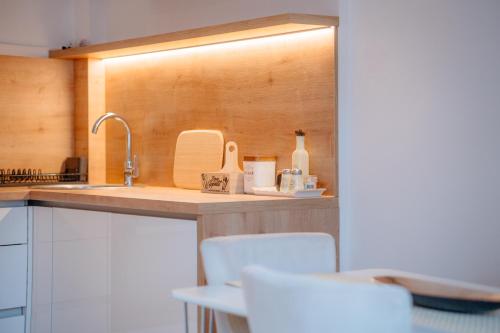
(300, 157)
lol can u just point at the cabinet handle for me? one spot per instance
(13, 312)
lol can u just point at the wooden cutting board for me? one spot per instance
(197, 151)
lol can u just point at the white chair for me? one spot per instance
(286, 303)
(225, 257)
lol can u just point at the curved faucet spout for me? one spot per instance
(111, 115)
(129, 164)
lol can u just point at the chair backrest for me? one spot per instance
(285, 303)
(225, 257)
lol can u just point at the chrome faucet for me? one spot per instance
(131, 169)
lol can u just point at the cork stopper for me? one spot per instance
(300, 132)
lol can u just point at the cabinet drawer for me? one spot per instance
(13, 225)
(13, 276)
(12, 324)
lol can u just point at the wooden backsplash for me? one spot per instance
(256, 92)
(36, 107)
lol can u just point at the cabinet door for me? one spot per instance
(41, 296)
(12, 324)
(80, 264)
(13, 276)
(113, 272)
(149, 257)
(13, 225)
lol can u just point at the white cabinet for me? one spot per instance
(80, 262)
(152, 256)
(13, 225)
(13, 268)
(13, 276)
(110, 273)
(12, 324)
(41, 296)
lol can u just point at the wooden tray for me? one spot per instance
(445, 296)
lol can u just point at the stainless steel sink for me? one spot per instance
(77, 186)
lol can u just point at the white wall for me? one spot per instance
(31, 27)
(420, 136)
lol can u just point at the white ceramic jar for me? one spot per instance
(259, 172)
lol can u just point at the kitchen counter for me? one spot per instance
(165, 200)
(14, 193)
(215, 214)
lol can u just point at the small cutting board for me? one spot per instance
(197, 151)
(229, 180)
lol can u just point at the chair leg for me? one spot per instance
(211, 321)
(203, 320)
(186, 319)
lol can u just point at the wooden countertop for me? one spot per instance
(14, 193)
(164, 200)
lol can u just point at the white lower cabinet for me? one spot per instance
(13, 276)
(103, 272)
(13, 324)
(13, 225)
(13, 268)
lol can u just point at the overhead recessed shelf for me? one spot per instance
(260, 27)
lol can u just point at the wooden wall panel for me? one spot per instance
(36, 108)
(257, 92)
(81, 118)
(268, 221)
(97, 107)
(89, 105)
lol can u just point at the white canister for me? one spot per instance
(259, 172)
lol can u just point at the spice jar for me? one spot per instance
(296, 182)
(258, 172)
(311, 182)
(286, 177)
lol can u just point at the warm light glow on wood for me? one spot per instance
(229, 32)
(233, 46)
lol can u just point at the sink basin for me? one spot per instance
(77, 186)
